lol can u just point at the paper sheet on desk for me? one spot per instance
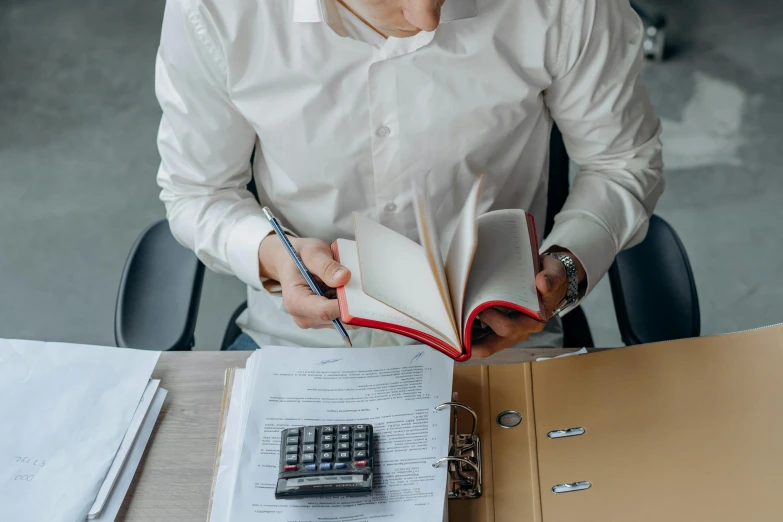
(64, 410)
(394, 389)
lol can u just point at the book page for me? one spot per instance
(462, 250)
(362, 305)
(395, 271)
(428, 236)
(503, 268)
(394, 389)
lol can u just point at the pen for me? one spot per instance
(303, 269)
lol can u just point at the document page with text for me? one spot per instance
(394, 389)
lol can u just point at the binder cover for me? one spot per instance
(687, 430)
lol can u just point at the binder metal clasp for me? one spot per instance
(561, 434)
(464, 459)
(568, 488)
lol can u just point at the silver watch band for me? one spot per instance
(572, 274)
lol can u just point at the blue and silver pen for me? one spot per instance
(303, 269)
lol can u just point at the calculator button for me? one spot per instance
(345, 437)
(339, 465)
(308, 457)
(308, 448)
(344, 446)
(311, 467)
(361, 445)
(289, 467)
(345, 428)
(327, 429)
(293, 432)
(360, 464)
(291, 441)
(326, 456)
(326, 466)
(344, 455)
(291, 459)
(292, 449)
(360, 436)
(327, 438)
(327, 447)
(360, 427)
(360, 455)
(309, 435)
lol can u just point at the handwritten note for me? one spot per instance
(64, 410)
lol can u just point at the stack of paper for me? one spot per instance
(393, 389)
(74, 421)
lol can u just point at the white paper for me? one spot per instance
(226, 472)
(125, 448)
(580, 352)
(117, 494)
(64, 410)
(393, 389)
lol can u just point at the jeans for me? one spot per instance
(243, 342)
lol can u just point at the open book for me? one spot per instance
(408, 288)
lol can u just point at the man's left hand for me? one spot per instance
(508, 330)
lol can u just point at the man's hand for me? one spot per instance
(508, 330)
(308, 310)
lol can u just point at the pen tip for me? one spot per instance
(348, 342)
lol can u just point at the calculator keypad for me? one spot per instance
(313, 450)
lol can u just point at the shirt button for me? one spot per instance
(384, 131)
(391, 207)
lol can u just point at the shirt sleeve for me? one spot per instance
(609, 128)
(205, 146)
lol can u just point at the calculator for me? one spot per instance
(331, 460)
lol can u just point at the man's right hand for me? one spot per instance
(307, 309)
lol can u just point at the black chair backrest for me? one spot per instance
(559, 167)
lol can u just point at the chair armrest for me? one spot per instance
(653, 289)
(159, 293)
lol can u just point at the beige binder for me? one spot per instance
(687, 430)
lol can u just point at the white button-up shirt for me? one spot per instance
(341, 119)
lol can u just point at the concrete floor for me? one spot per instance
(78, 119)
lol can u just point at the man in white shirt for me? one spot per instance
(344, 101)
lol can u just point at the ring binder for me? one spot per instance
(464, 458)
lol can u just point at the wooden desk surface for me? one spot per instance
(174, 477)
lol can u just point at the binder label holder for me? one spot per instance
(464, 459)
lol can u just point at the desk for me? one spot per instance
(174, 479)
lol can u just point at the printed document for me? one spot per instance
(393, 389)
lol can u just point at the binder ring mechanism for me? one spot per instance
(464, 459)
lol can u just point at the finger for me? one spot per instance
(318, 259)
(487, 347)
(300, 301)
(552, 279)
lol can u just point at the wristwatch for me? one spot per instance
(572, 274)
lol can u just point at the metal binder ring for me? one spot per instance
(459, 459)
(460, 405)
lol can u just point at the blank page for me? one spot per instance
(428, 236)
(395, 271)
(503, 267)
(462, 249)
(363, 306)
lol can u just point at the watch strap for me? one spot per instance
(572, 275)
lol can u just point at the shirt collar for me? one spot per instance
(322, 11)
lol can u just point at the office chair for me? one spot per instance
(654, 29)
(653, 288)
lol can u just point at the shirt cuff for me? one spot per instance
(242, 248)
(590, 243)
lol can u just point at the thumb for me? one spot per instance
(552, 277)
(321, 263)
